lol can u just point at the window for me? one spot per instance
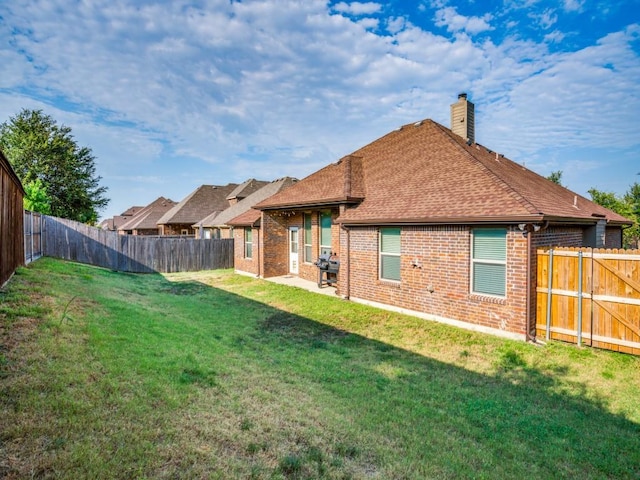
(248, 242)
(489, 261)
(390, 254)
(307, 238)
(325, 233)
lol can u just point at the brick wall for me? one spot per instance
(440, 283)
(176, 229)
(276, 243)
(240, 263)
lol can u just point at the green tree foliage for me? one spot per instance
(39, 149)
(628, 206)
(556, 177)
(36, 198)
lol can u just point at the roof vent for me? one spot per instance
(417, 124)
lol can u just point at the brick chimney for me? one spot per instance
(463, 118)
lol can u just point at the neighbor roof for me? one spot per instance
(424, 173)
(147, 218)
(218, 219)
(246, 188)
(198, 204)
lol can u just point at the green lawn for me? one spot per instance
(214, 375)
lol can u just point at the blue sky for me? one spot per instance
(173, 94)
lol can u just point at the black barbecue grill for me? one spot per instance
(328, 267)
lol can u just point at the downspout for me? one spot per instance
(259, 249)
(347, 292)
(529, 337)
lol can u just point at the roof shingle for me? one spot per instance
(424, 173)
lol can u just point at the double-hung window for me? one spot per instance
(489, 261)
(390, 254)
(307, 238)
(325, 233)
(248, 242)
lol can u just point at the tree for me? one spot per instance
(628, 206)
(632, 199)
(36, 198)
(556, 177)
(39, 149)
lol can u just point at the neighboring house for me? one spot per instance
(145, 221)
(217, 224)
(113, 224)
(202, 202)
(429, 222)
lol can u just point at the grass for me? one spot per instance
(213, 375)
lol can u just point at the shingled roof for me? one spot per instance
(246, 188)
(424, 173)
(147, 218)
(198, 204)
(218, 219)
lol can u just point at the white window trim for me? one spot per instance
(473, 263)
(380, 254)
(304, 235)
(248, 243)
(327, 247)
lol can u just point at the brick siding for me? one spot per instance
(435, 269)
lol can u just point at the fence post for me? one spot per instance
(550, 286)
(580, 298)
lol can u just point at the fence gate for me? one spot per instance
(590, 297)
(32, 236)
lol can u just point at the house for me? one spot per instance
(113, 224)
(145, 221)
(427, 221)
(216, 224)
(202, 202)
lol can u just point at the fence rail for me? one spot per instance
(590, 296)
(81, 243)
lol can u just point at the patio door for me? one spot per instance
(293, 250)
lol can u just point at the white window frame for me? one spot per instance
(475, 262)
(389, 254)
(325, 248)
(248, 245)
(308, 247)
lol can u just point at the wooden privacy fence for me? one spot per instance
(32, 236)
(11, 220)
(590, 297)
(78, 242)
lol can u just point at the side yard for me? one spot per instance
(216, 375)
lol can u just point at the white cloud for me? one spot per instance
(454, 22)
(223, 91)
(546, 19)
(358, 8)
(573, 5)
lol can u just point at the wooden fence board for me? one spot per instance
(131, 253)
(11, 221)
(608, 316)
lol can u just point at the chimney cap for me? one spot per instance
(462, 95)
